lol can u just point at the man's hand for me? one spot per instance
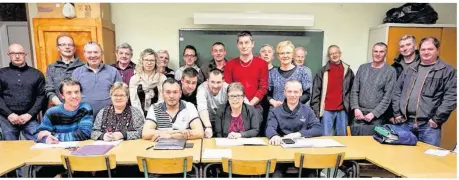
(369, 117)
(25, 118)
(275, 103)
(52, 140)
(293, 135)
(432, 124)
(208, 133)
(234, 135)
(275, 140)
(42, 134)
(358, 114)
(397, 119)
(14, 118)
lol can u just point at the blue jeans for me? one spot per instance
(337, 119)
(12, 132)
(424, 132)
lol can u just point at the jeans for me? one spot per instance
(12, 132)
(337, 119)
(424, 132)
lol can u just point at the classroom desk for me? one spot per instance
(13, 154)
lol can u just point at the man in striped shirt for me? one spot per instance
(173, 118)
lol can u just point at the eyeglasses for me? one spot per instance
(234, 97)
(16, 53)
(189, 56)
(149, 60)
(66, 45)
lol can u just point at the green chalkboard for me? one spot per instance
(203, 39)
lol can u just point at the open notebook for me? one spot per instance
(59, 145)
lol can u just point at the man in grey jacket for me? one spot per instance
(425, 94)
(62, 68)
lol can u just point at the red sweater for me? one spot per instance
(252, 75)
(334, 96)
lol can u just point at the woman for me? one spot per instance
(267, 53)
(286, 71)
(118, 121)
(237, 119)
(163, 63)
(145, 86)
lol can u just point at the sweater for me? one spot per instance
(22, 90)
(67, 125)
(129, 134)
(333, 100)
(252, 75)
(283, 121)
(126, 74)
(372, 89)
(56, 72)
(278, 78)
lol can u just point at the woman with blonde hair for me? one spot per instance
(145, 85)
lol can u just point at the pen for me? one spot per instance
(150, 147)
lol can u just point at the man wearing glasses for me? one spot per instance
(62, 68)
(22, 93)
(190, 55)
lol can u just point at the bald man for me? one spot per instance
(22, 96)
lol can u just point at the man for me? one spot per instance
(173, 118)
(70, 121)
(22, 95)
(425, 94)
(211, 94)
(190, 55)
(371, 92)
(408, 54)
(331, 93)
(96, 78)
(188, 84)
(298, 59)
(62, 68)
(249, 70)
(218, 53)
(291, 120)
(123, 62)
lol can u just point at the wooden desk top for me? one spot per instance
(126, 152)
(13, 154)
(283, 154)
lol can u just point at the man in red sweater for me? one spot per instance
(249, 70)
(331, 91)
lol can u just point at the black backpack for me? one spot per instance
(416, 13)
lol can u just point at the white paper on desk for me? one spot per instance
(114, 143)
(216, 153)
(437, 152)
(239, 142)
(313, 143)
(60, 145)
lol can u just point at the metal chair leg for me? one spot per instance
(69, 169)
(301, 165)
(145, 169)
(107, 163)
(337, 166)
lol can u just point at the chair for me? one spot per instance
(165, 165)
(249, 167)
(319, 161)
(89, 163)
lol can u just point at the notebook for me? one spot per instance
(170, 144)
(91, 150)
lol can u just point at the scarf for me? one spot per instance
(112, 122)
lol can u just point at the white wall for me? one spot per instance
(156, 25)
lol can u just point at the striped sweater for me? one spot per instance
(67, 125)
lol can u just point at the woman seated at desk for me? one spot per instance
(118, 121)
(236, 119)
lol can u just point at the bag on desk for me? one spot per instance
(394, 134)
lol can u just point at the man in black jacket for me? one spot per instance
(408, 54)
(425, 94)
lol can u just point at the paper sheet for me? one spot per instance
(60, 145)
(239, 142)
(216, 153)
(114, 143)
(437, 152)
(313, 143)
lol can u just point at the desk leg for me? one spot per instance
(30, 173)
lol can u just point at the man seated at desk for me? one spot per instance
(291, 120)
(71, 121)
(173, 118)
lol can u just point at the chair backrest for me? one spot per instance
(89, 163)
(249, 167)
(319, 161)
(165, 165)
(348, 131)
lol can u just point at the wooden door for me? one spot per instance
(46, 36)
(395, 33)
(448, 53)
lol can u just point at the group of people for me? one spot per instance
(243, 97)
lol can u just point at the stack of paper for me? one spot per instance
(437, 152)
(216, 153)
(240, 142)
(313, 143)
(59, 145)
(114, 143)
